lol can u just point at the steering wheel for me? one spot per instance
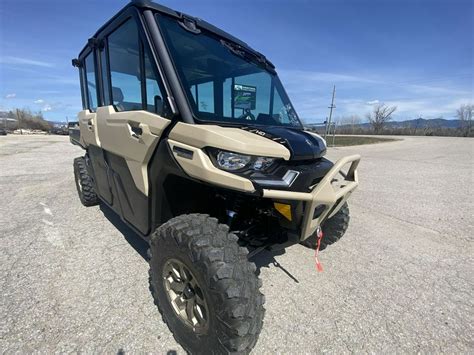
(247, 115)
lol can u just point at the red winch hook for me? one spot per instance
(319, 236)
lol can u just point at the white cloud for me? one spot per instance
(326, 77)
(435, 90)
(10, 96)
(46, 108)
(373, 102)
(310, 92)
(428, 108)
(24, 61)
(39, 101)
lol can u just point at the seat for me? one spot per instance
(117, 97)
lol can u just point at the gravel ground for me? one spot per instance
(400, 281)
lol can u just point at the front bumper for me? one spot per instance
(326, 198)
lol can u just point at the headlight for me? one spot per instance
(262, 163)
(234, 161)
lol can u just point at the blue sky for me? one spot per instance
(416, 54)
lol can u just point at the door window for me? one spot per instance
(105, 80)
(124, 58)
(155, 101)
(91, 82)
(133, 76)
(204, 96)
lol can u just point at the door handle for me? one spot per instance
(136, 131)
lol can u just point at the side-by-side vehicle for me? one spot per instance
(191, 139)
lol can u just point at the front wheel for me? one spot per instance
(333, 229)
(205, 288)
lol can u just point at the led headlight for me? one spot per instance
(262, 163)
(231, 161)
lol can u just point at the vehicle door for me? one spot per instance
(131, 117)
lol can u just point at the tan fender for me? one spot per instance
(227, 138)
(200, 166)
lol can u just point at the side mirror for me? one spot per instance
(158, 105)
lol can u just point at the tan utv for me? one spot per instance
(191, 139)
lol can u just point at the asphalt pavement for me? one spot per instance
(74, 279)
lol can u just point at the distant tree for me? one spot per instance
(464, 114)
(417, 124)
(27, 120)
(350, 123)
(380, 115)
(433, 126)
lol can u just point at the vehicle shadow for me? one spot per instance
(137, 243)
(264, 258)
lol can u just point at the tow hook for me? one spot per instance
(319, 236)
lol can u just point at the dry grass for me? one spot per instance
(341, 141)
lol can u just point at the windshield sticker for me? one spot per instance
(245, 97)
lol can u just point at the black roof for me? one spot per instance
(146, 4)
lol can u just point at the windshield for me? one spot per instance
(224, 82)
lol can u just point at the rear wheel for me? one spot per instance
(84, 186)
(333, 229)
(205, 288)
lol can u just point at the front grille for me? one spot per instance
(310, 173)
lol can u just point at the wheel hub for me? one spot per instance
(185, 295)
(188, 292)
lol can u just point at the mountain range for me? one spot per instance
(415, 123)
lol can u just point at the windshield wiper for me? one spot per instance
(249, 55)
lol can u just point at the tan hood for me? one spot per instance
(228, 138)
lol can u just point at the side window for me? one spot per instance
(227, 96)
(281, 112)
(83, 87)
(105, 81)
(154, 94)
(91, 82)
(203, 95)
(134, 80)
(124, 59)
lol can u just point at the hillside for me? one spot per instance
(418, 123)
(420, 126)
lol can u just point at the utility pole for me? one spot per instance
(331, 107)
(326, 127)
(18, 118)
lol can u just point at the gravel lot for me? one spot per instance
(401, 280)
